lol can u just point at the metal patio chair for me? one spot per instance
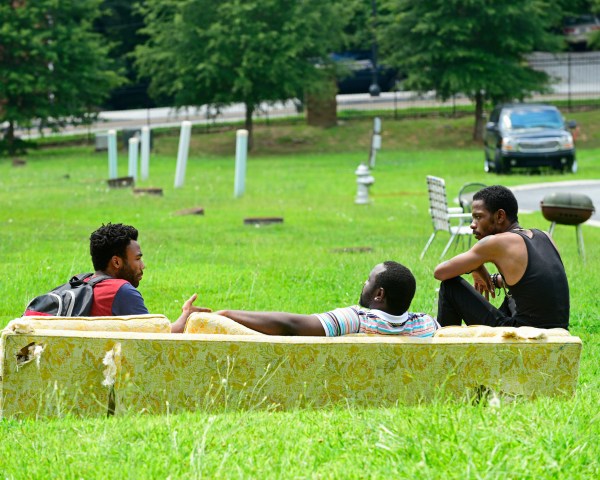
(442, 217)
(465, 195)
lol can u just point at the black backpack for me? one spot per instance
(72, 299)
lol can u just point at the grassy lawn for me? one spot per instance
(51, 205)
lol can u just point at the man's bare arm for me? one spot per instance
(277, 323)
(466, 262)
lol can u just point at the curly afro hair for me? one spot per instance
(110, 240)
(499, 197)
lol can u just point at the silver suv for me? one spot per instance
(528, 136)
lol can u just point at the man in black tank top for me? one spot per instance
(530, 271)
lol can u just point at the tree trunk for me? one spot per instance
(321, 106)
(478, 129)
(249, 125)
(10, 139)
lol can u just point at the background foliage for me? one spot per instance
(204, 52)
(472, 47)
(53, 68)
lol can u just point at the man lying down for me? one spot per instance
(382, 309)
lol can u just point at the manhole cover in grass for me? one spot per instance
(148, 191)
(191, 211)
(262, 220)
(121, 182)
(352, 250)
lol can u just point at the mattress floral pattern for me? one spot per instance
(97, 373)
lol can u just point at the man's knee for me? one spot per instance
(452, 285)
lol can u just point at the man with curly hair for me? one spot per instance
(116, 253)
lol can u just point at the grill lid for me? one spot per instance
(568, 200)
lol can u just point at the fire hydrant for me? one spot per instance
(364, 180)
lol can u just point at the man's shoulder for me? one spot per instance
(500, 241)
(128, 301)
(518, 237)
(350, 310)
(113, 285)
(125, 286)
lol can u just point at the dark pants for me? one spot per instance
(458, 300)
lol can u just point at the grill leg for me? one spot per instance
(580, 246)
(551, 229)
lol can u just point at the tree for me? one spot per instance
(473, 47)
(119, 23)
(53, 68)
(204, 52)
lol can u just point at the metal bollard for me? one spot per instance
(112, 154)
(364, 180)
(134, 143)
(375, 141)
(182, 153)
(241, 153)
(145, 152)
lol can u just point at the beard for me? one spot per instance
(129, 275)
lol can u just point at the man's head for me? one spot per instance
(115, 251)
(494, 210)
(390, 288)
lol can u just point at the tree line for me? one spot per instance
(60, 61)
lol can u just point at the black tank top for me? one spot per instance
(542, 294)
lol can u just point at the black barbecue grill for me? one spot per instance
(568, 209)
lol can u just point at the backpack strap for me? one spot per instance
(98, 279)
(78, 280)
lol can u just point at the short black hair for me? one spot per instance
(110, 240)
(399, 284)
(498, 197)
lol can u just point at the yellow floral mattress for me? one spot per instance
(49, 372)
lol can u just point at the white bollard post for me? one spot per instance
(112, 154)
(375, 141)
(241, 153)
(145, 152)
(182, 153)
(133, 157)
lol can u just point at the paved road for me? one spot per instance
(530, 196)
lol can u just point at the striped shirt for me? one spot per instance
(356, 319)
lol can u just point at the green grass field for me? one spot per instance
(51, 205)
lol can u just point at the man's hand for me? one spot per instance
(189, 308)
(482, 281)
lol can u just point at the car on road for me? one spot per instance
(578, 30)
(358, 75)
(528, 136)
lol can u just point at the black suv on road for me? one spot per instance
(527, 135)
